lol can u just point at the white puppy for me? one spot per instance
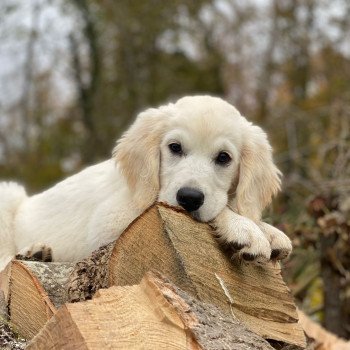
(199, 153)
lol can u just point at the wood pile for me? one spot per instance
(168, 284)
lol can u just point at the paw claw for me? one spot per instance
(278, 254)
(248, 257)
(275, 254)
(38, 255)
(37, 252)
(280, 243)
(236, 247)
(45, 254)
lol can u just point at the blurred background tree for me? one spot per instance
(74, 73)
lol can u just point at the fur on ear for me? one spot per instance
(258, 179)
(138, 155)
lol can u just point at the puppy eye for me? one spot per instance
(176, 148)
(223, 158)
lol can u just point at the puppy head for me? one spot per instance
(212, 157)
(138, 155)
(201, 154)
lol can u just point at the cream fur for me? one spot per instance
(93, 207)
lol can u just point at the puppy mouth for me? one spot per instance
(193, 214)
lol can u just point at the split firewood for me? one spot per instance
(187, 253)
(33, 291)
(152, 315)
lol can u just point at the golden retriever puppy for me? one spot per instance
(199, 153)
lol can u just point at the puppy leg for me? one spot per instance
(243, 235)
(36, 252)
(281, 246)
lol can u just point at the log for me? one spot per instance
(186, 251)
(33, 292)
(152, 315)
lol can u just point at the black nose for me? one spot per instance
(189, 198)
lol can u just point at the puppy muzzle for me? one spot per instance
(189, 198)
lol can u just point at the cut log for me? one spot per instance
(152, 315)
(34, 291)
(187, 252)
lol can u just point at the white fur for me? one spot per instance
(11, 196)
(94, 206)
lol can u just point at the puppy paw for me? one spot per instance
(36, 252)
(281, 245)
(242, 236)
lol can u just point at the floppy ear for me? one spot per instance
(259, 179)
(138, 155)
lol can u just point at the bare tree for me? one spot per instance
(87, 88)
(28, 74)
